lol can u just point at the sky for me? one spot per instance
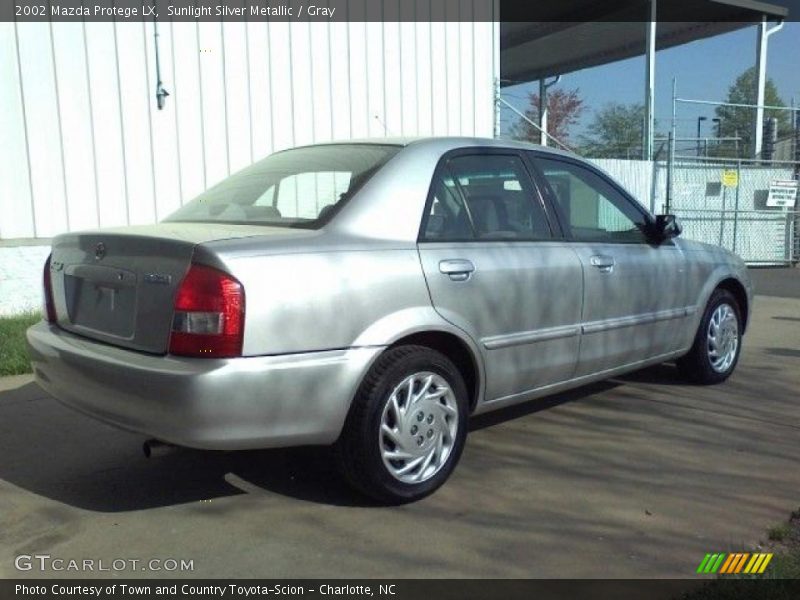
(704, 69)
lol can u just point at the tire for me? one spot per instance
(701, 365)
(381, 438)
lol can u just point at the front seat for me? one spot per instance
(488, 214)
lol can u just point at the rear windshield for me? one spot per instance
(303, 187)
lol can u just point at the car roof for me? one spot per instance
(447, 143)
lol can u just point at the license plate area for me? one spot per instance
(101, 299)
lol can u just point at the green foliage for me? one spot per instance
(738, 121)
(13, 353)
(779, 532)
(615, 132)
(778, 582)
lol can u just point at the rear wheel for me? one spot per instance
(718, 341)
(407, 426)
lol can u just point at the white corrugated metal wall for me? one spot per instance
(83, 144)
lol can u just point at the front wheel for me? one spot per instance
(718, 341)
(407, 426)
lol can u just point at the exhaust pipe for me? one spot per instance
(157, 448)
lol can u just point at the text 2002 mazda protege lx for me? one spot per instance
(372, 295)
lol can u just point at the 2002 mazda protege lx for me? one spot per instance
(372, 295)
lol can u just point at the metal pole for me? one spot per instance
(671, 148)
(670, 158)
(722, 215)
(734, 104)
(761, 65)
(736, 203)
(761, 83)
(497, 100)
(650, 80)
(542, 112)
(797, 145)
(699, 140)
(674, 124)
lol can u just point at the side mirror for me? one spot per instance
(667, 227)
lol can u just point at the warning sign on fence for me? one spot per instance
(730, 178)
(782, 194)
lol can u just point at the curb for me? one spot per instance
(13, 382)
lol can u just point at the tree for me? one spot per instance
(738, 121)
(564, 107)
(615, 132)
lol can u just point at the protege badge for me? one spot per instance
(157, 278)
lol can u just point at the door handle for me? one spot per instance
(604, 263)
(456, 268)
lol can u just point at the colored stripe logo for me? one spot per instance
(736, 562)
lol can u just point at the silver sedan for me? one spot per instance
(371, 295)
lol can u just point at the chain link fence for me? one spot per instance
(703, 177)
(727, 202)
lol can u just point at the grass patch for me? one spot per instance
(13, 353)
(778, 533)
(781, 580)
(786, 565)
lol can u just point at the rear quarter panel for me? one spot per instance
(303, 302)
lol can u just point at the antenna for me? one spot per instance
(386, 131)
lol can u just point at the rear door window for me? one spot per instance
(484, 197)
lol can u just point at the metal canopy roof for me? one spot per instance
(610, 30)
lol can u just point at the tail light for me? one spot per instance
(209, 315)
(47, 286)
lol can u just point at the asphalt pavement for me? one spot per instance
(639, 476)
(782, 282)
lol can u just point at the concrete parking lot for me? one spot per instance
(634, 477)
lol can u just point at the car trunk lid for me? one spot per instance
(118, 285)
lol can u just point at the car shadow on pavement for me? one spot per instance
(792, 319)
(57, 453)
(54, 452)
(789, 352)
(662, 374)
(516, 411)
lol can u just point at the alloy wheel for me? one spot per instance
(723, 338)
(418, 427)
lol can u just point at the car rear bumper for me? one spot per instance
(226, 404)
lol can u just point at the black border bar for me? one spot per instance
(529, 11)
(402, 589)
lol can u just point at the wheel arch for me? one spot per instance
(735, 287)
(457, 350)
